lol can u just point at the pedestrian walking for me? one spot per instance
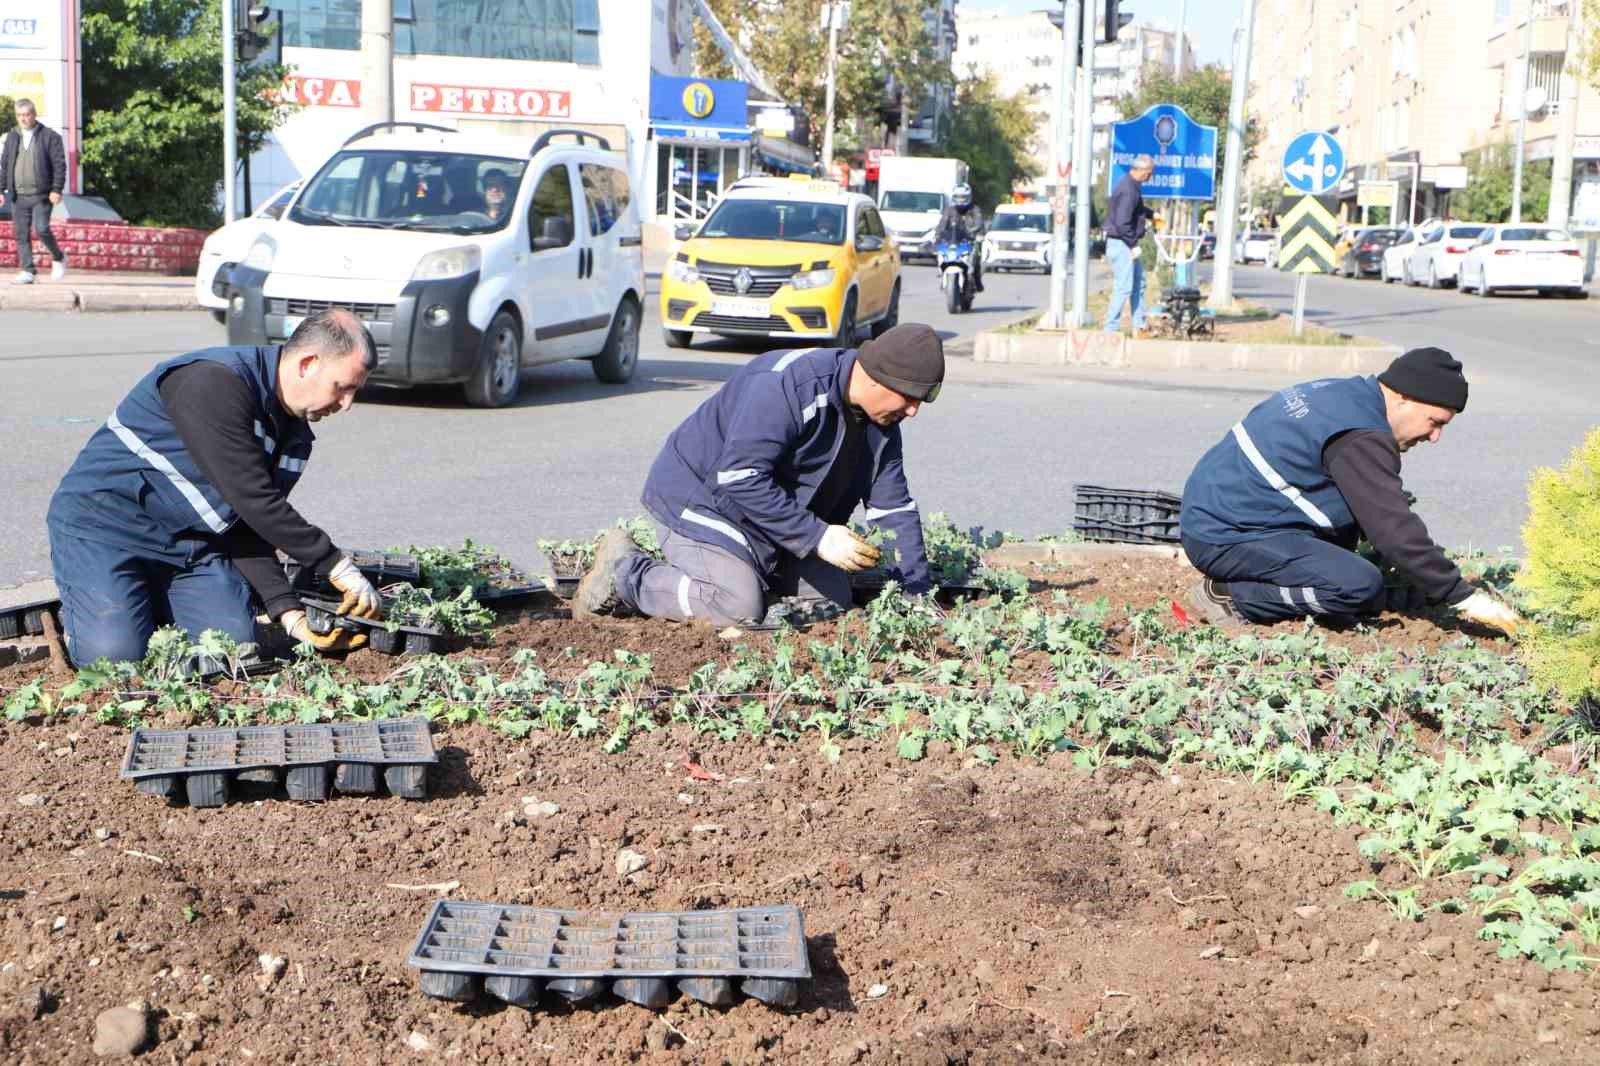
(33, 171)
(754, 492)
(1126, 216)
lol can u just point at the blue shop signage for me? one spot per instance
(701, 109)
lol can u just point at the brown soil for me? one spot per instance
(1017, 913)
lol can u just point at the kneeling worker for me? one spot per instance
(172, 511)
(1272, 513)
(754, 491)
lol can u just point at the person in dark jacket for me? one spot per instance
(173, 510)
(755, 490)
(1272, 514)
(1126, 216)
(962, 220)
(33, 171)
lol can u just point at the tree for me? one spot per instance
(153, 136)
(8, 115)
(885, 38)
(992, 132)
(1487, 197)
(1203, 94)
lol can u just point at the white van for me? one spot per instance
(912, 194)
(469, 256)
(1019, 238)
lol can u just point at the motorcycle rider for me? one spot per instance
(962, 220)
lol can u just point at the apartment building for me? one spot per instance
(1411, 88)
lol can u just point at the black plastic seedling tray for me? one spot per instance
(1125, 516)
(566, 570)
(202, 764)
(513, 953)
(380, 568)
(864, 588)
(411, 640)
(26, 619)
(796, 612)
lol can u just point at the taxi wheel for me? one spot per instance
(615, 364)
(846, 337)
(891, 318)
(494, 383)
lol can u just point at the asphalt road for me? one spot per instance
(1002, 448)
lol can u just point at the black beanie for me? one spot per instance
(909, 359)
(1431, 375)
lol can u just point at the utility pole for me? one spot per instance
(1066, 75)
(230, 107)
(1567, 128)
(832, 11)
(1228, 208)
(377, 59)
(1083, 164)
(1183, 22)
(1522, 118)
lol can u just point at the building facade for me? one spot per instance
(1412, 88)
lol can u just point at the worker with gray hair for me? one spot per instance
(1126, 215)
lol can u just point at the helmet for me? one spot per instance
(961, 195)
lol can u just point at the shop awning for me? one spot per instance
(702, 134)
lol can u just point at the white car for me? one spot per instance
(1541, 258)
(1256, 246)
(1437, 257)
(224, 248)
(468, 255)
(1019, 238)
(1392, 267)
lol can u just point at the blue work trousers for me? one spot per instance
(113, 599)
(1127, 285)
(1290, 575)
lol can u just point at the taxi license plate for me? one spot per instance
(742, 308)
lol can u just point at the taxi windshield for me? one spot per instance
(776, 220)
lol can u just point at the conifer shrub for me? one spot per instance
(1562, 572)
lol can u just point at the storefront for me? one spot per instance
(700, 140)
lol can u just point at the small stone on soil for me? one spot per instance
(103, 834)
(879, 991)
(120, 1031)
(272, 968)
(630, 862)
(31, 799)
(417, 1042)
(1189, 918)
(984, 972)
(1212, 952)
(1308, 911)
(534, 808)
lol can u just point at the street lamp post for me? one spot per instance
(230, 97)
(1067, 74)
(1228, 209)
(832, 11)
(1522, 118)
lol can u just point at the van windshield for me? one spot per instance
(906, 200)
(1037, 222)
(431, 191)
(776, 220)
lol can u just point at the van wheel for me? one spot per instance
(616, 362)
(494, 383)
(891, 317)
(846, 337)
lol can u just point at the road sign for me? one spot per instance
(1184, 152)
(1313, 163)
(1310, 230)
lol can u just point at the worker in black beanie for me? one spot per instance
(1273, 512)
(755, 490)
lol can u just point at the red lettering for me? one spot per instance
(477, 99)
(424, 97)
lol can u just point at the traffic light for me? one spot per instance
(1114, 22)
(256, 33)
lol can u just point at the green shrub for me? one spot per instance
(1562, 574)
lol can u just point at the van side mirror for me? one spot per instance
(869, 243)
(683, 231)
(554, 232)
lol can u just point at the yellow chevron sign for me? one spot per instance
(1310, 232)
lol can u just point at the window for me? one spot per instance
(559, 31)
(280, 203)
(321, 23)
(433, 191)
(551, 218)
(776, 220)
(605, 191)
(875, 223)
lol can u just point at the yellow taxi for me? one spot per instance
(785, 259)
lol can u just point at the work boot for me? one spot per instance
(1211, 601)
(597, 592)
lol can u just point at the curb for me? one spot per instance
(1096, 348)
(112, 299)
(1037, 553)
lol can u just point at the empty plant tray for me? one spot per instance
(514, 953)
(25, 619)
(202, 764)
(1125, 516)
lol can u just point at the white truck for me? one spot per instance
(912, 193)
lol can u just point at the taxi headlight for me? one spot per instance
(683, 272)
(813, 279)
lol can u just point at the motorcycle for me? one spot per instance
(955, 274)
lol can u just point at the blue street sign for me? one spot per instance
(1313, 163)
(1184, 151)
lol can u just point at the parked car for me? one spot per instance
(1437, 257)
(1364, 256)
(1019, 238)
(1541, 258)
(1392, 262)
(468, 255)
(225, 247)
(803, 259)
(1256, 246)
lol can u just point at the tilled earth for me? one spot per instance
(956, 913)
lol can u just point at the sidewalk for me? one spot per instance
(85, 290)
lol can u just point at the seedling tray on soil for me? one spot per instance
(797, 612)
(864, 588)
(322, 615)
(1125, 516)
(26, 619)
(566, 570)
(202, 764)
(380, 568)
(514, 953)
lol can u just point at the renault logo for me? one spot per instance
(698, 99)
(742, 281)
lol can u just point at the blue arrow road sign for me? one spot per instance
(1313, 163)
(1184, 153)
